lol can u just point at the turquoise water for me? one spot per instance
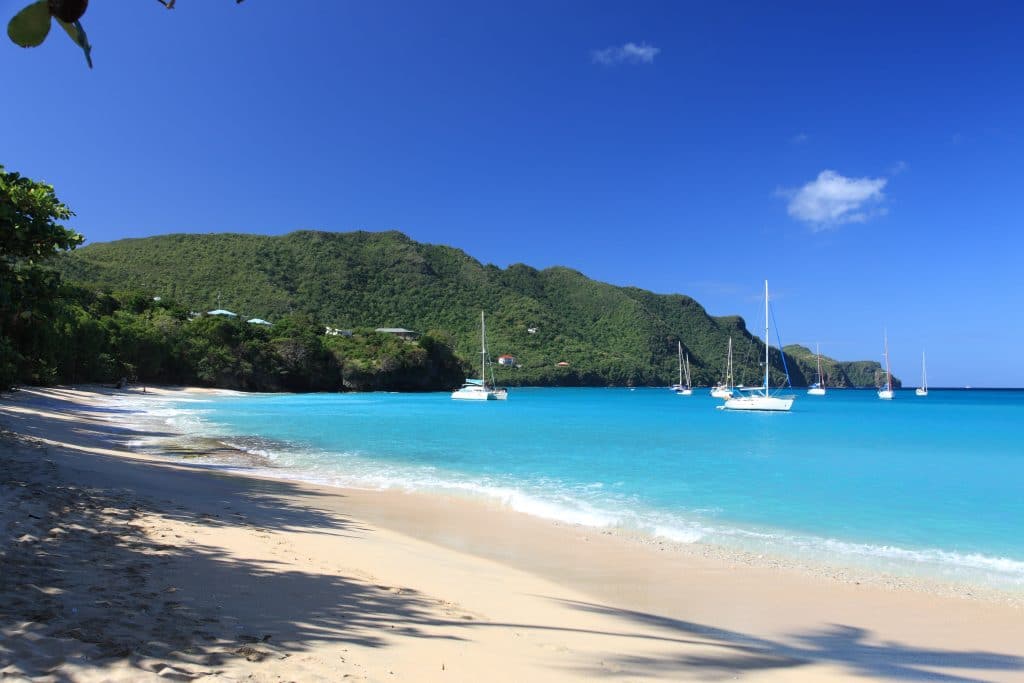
(931, 486)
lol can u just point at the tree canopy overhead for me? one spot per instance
(31, 26)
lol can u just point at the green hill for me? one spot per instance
(839, 374)
(606, 334)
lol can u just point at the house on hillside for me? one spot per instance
(337, 332)
(506, 359)
(258, 321)
(405, 334)
(221, 311)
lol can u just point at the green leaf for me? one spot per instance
(30, 26)
(77, 34)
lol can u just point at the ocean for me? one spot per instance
(930, 487)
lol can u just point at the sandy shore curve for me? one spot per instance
(117, 565)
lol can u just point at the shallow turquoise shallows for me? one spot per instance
(931, 486)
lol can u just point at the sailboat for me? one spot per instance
(885, 393)
(683, 389)
(818, 388)
(724, 389)
(478, 389)
(923, 389)
(679, 385)
(761, 398)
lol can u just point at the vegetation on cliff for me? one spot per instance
(605, 335)
(838, 374)
(94, 337)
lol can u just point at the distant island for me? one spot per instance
(555, 327)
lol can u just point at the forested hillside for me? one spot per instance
(606, 334)
(839, 374)
(52, 331)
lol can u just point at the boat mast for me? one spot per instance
(924, 374)
(680, 363)
(888, 375)
(728, 366)
(688, 372)
(483, 352)
(765, 337)
(821, 379)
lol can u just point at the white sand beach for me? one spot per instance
(116, 565)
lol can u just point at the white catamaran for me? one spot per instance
(724, 389)
(478, 389)
(683, 389)
(885, 393)
(818, 388)
(761, 398)
(923, 389)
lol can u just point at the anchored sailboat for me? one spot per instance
(683, 389)
(818, 388)
(885, 393)
(923, 389)
(724, 389)
(477, 389)
(761, 398)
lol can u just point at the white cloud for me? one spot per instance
(800, 138)
(630, 53)
(832, 199)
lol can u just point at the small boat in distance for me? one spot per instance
(885, 393)
(679, 385)
(477, 389)
(818, 388)
(683, 389)
(923, 389)
(724, 388)
(761, 398)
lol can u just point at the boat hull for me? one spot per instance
(719, 392)
(684, 392)
(773, 404)
(921, 392)
(885, 394)
(817, 391)
(461, 396)
(474, 394)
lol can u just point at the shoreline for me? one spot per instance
(220, 454)
(853, 568)
(250, 465)
(772, 621)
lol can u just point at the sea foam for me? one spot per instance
(683, 483)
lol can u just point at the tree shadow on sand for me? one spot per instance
(837, 644)
(24, 421)
(91, 576)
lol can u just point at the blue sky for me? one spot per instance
(864, 158)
